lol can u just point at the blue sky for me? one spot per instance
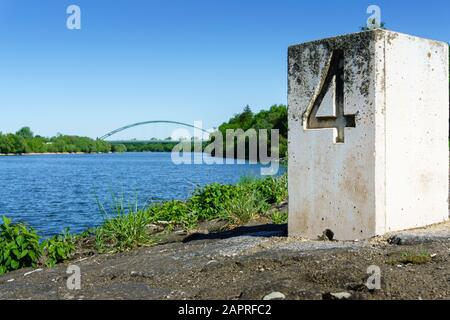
(180, 60)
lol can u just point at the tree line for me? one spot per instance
(24, 141)
(274, 118)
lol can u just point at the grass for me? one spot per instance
(279, 217)
(124, 228)
(246, 205)
(127, 226)
(410, 257)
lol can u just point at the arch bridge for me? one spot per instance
(109, 134)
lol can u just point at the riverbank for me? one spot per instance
(127, 226)
(253, 262)
(231, 250)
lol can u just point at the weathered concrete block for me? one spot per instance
(368, 134)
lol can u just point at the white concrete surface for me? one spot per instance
(391, 170)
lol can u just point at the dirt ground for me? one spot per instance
(250, 263)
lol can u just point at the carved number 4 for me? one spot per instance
(340, 121)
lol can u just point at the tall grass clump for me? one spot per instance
(124, 228)
(272, 189)
(246, 205)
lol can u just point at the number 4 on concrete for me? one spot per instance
(340, 121)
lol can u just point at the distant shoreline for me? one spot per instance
(50, 153)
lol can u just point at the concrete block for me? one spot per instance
(368, 134)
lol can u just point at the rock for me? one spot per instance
(153, 228)
(327, 235)
(210, 265)
(163, 223)
(141, 274)
(355, 286)
(336, 296)
(413, 238)
(28, 273)
(274, 296)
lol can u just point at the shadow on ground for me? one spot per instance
(265, 230)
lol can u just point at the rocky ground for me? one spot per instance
(251, 263)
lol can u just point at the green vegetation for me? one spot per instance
(410, 257)
(24, 141)
(175, 212)
(127, 227)
(118, 148)
(245, 205)
(210, 201)
(274, 118)
(58, 248)
(126, 230)
(19, 246)
(279, 217)
(149, 147)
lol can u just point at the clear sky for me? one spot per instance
(183, 60)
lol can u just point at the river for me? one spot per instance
(52, 192)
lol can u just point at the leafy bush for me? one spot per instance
(209, 202)
(58, 248)
(274, 190)
(19, 246)
(175, 211)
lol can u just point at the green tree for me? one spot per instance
(25, 133)
(118, 148)
(274, 118)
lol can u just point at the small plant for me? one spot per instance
(19, 246)
(410, 257)
(209, 202)
(58, 248)
(124, 229)
(279, 217)
(245, 206)
(175, 211)
(274, 189)
(415, 258)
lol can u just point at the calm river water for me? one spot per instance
(52, 192)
